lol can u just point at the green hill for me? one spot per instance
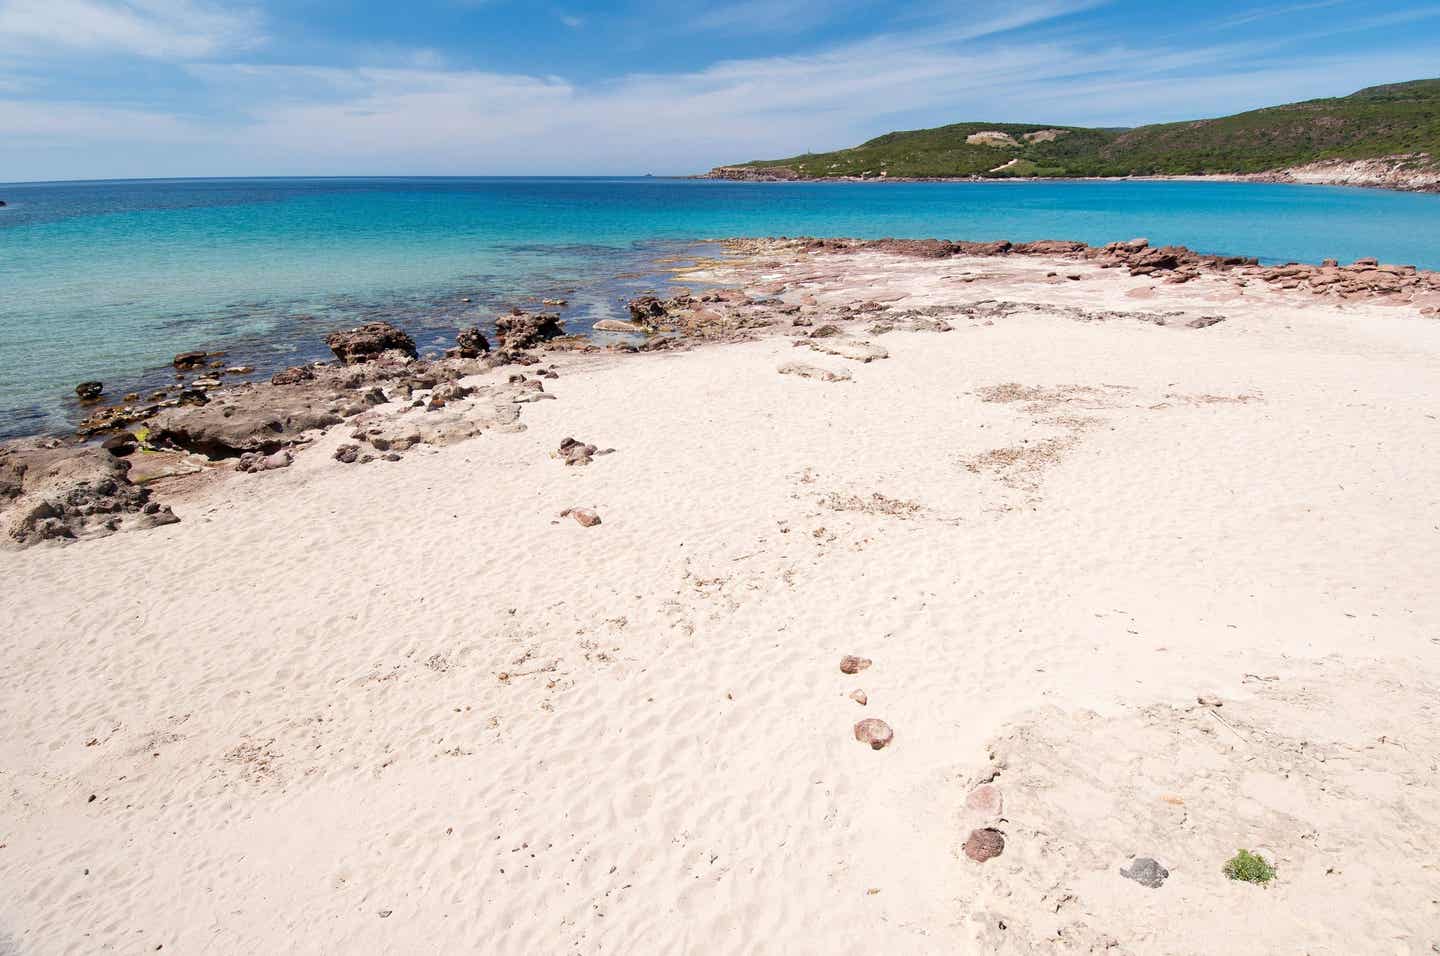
(1398, 122)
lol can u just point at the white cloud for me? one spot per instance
(573, 22)
(265, 119)
(163, 29)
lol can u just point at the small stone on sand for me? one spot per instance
(874, 732)
(984, 844)
(858, 696)
(586, 516)
(1145, 871)
(853, 665)
(985, 799)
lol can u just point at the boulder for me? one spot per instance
(89, 391)
(523, 330)
(471, 342)
(55, 492)
(188, 361)
(247, 421)
(121, 445)
(368, 342)
(646, 309)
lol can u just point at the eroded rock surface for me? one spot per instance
(368, 342)
(55, 492)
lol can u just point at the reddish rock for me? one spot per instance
(984, 844)
(585, 516)
(853, 665)
(875, 732)
(858, 696)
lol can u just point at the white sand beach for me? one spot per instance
(1170, 590)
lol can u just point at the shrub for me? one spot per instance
(1249, 867)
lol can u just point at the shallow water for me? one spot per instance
(109, 280)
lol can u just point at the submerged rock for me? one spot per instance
(188, 361)
(89, 391)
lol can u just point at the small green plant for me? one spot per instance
(1250, 867)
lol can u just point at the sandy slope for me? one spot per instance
(403, 707)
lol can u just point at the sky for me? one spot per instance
(99, 89)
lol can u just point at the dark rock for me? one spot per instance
(875, 732)
(646, 309)
(188, 361)
(347, 454)
(253, 420)
(984, 844)
(471, 342)
(368, 342)
(825, 331)
(573, 452)
(1146, 872)
(89, 391)
(121, 445)
(1205, 321)
(50, 491)
(293, 376)
(523, 330)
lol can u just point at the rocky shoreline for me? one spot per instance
(392, 400)
(1404, 173)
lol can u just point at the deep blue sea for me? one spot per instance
(108, 280)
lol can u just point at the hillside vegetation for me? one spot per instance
(1399, 121)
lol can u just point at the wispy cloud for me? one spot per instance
(424, 115)
(571, 21)
(180, 29)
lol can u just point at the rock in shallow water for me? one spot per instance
(89, 391)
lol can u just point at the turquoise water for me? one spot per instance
(109, 280)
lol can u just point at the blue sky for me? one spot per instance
(135, 88)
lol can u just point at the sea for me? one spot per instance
(109, 280)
